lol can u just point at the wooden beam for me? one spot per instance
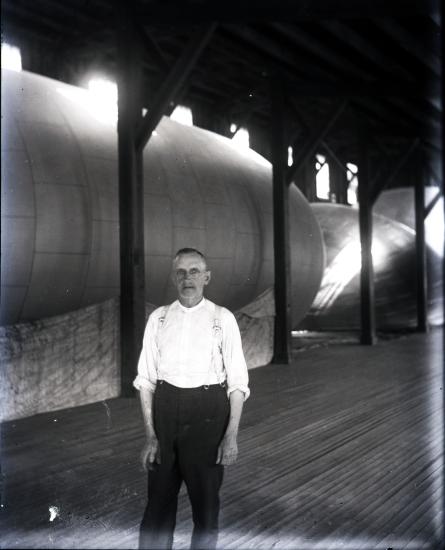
(313, 10)
(131, 209)
(433, 174)
(334, 157)
(406, 41)
(323, 143)
(374, 52)
(282, 332)
(432, 204)
(317, 170)
(152, 48)
(424, 113)
(379, 89)
(338, 181)
(272, 53)
(306, 42)
(378, 187)
(314, 140)
(338, 173)
(421, 280)
(395, 121)
(173, 83)
(367, 306)
(307, 179)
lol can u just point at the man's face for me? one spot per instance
(190, 276)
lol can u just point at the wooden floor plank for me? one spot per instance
(341, 449)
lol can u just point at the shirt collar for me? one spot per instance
(194, 308)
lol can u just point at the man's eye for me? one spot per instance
(193, 271)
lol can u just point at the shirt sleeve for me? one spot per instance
(233, 356)
(149, 357)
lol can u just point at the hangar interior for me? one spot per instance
(323, 230)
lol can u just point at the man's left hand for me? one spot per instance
(227, 450)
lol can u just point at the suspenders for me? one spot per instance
(161, 321)
(216, 343)
(216, 340)
(163, 316)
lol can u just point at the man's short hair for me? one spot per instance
(184, 251)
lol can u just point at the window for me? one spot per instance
(11, 58)
(183, 115)
(290, 156)
(103, 95)
(241, 137)
(353, 182)
(322, 177)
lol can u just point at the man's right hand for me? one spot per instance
(150, 453)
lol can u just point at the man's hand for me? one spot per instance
(150, 453)
(227, 450)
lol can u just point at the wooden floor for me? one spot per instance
(341, 450)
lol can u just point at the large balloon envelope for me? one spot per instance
(398, 204)
(337, 304)
(60, 227)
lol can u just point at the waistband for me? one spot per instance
(210, 387)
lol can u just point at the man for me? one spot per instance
(193, 380)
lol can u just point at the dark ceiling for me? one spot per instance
(384, 58)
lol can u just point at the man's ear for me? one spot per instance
(208, 276)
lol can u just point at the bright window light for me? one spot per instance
(11, 58)
(106, 89)
(241, 138)
(353, 182)
(100, 99)
(183, 115)
(322, 177)
(435, 228)
(104, 97)
(290, 156)
(343, 268)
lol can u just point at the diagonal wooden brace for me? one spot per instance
(172, 84)
(377, 189)
(314, 140)
(432, 204)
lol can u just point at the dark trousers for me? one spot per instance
(189, 424)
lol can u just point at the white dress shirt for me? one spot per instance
(186, 350)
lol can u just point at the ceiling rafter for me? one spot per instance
(410, 44)
(306, 41)
(386, 60)
(347, 34)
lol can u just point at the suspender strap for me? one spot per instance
(161, 321)
(216, 343)
(163, 316)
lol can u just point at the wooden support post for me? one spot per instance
(334, 157)
(259, 141)
(421, 286)
(338, 180)
(307, 178)
(314, 140)
(367, 312)
(309, 172)
(282, 333)
(432, 173)
(379, 186)
(131, 225)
